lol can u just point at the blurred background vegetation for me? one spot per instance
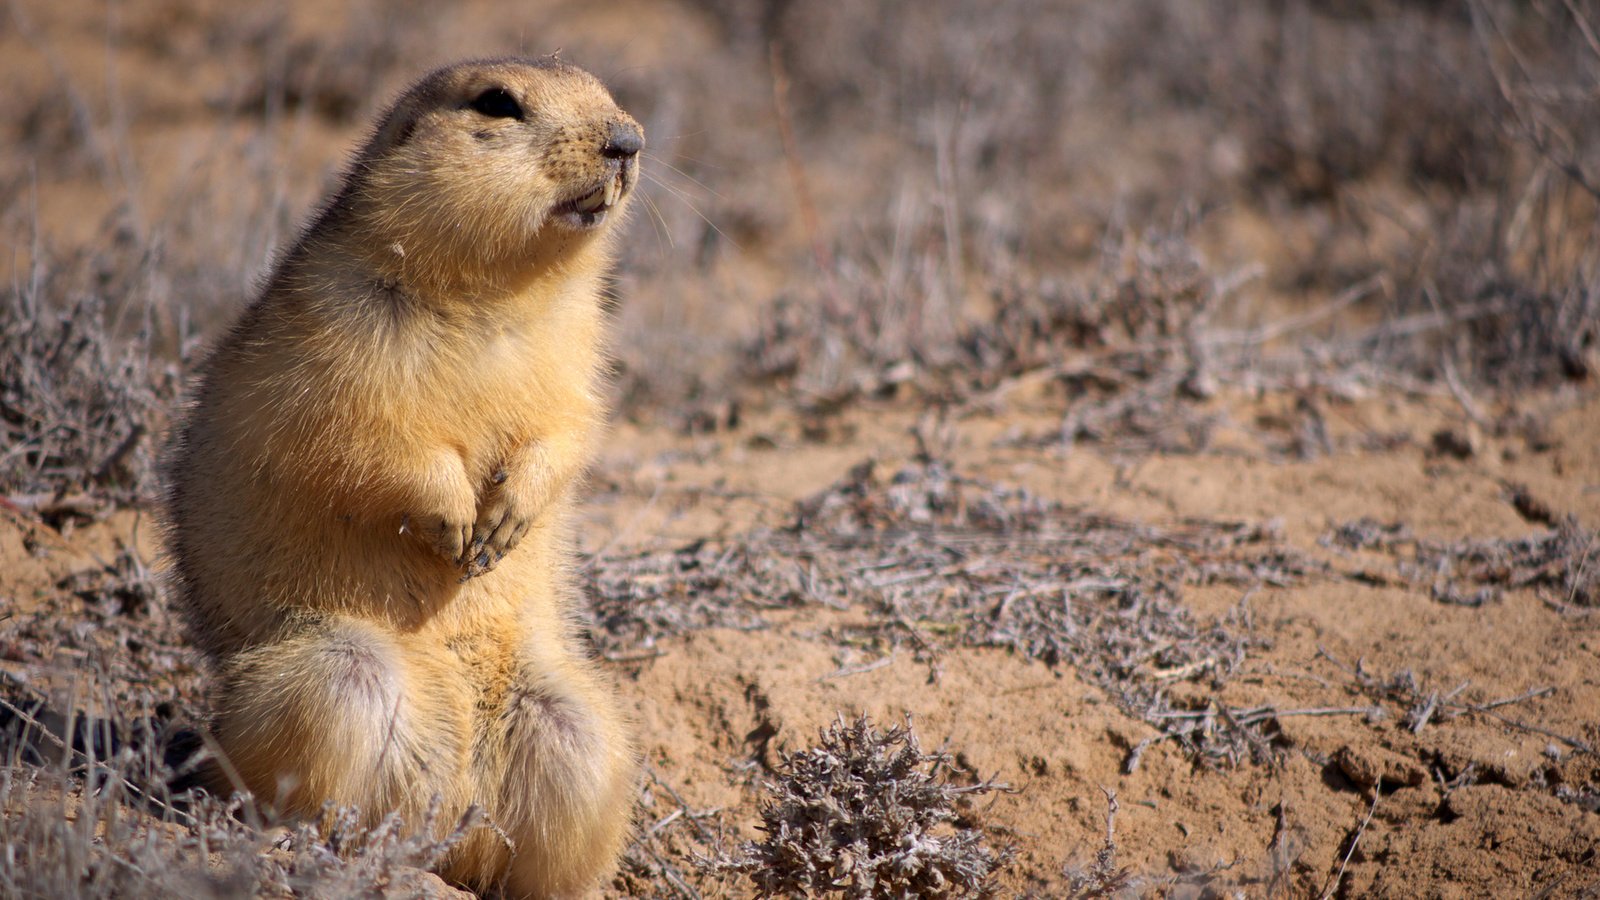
(891, 199)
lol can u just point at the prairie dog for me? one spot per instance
(368, 501)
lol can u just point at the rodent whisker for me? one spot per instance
(662, 230)
(683, 197)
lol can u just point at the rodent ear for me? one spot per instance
(394, 129)
(402, 131)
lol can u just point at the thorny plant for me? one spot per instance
(867, 814)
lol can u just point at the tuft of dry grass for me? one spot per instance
(96, 747)
(92, 816)
(673, 846)
(867, 814)
(1127, 348)
(1330, 95)
(1103, 877)
(82, 396)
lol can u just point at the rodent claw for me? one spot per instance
(502, 521)
(479, 563)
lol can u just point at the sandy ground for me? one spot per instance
(1501, 830)
(1470, 804)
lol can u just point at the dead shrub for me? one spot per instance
(1338, 92)
(867, 814)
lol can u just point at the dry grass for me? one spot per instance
(1102, 878)
(673, 847)
(937, 558)
(1134, 330)
(87, 812)
(82, 397)
(1328, 96)
(1562, 564)
(114, 621)
(97, 739)
(1496, 280)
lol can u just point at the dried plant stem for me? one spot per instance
(1355, 839)
(802, 188)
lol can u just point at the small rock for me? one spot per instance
(1192, 860)
(1374, 766)
(1457, 444)
(423, 885)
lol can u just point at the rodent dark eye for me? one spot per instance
(497, 103)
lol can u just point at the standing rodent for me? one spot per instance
(368, 502)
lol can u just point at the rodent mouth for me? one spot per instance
(589, 210)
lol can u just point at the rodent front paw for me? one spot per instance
(447, 535)
(503, 519)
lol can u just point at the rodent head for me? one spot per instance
(487, 172)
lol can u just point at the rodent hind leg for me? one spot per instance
(334, 714)
(564, 773)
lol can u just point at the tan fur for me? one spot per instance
(368, 504)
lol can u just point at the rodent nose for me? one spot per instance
(623, 141)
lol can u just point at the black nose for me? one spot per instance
(623, 141)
